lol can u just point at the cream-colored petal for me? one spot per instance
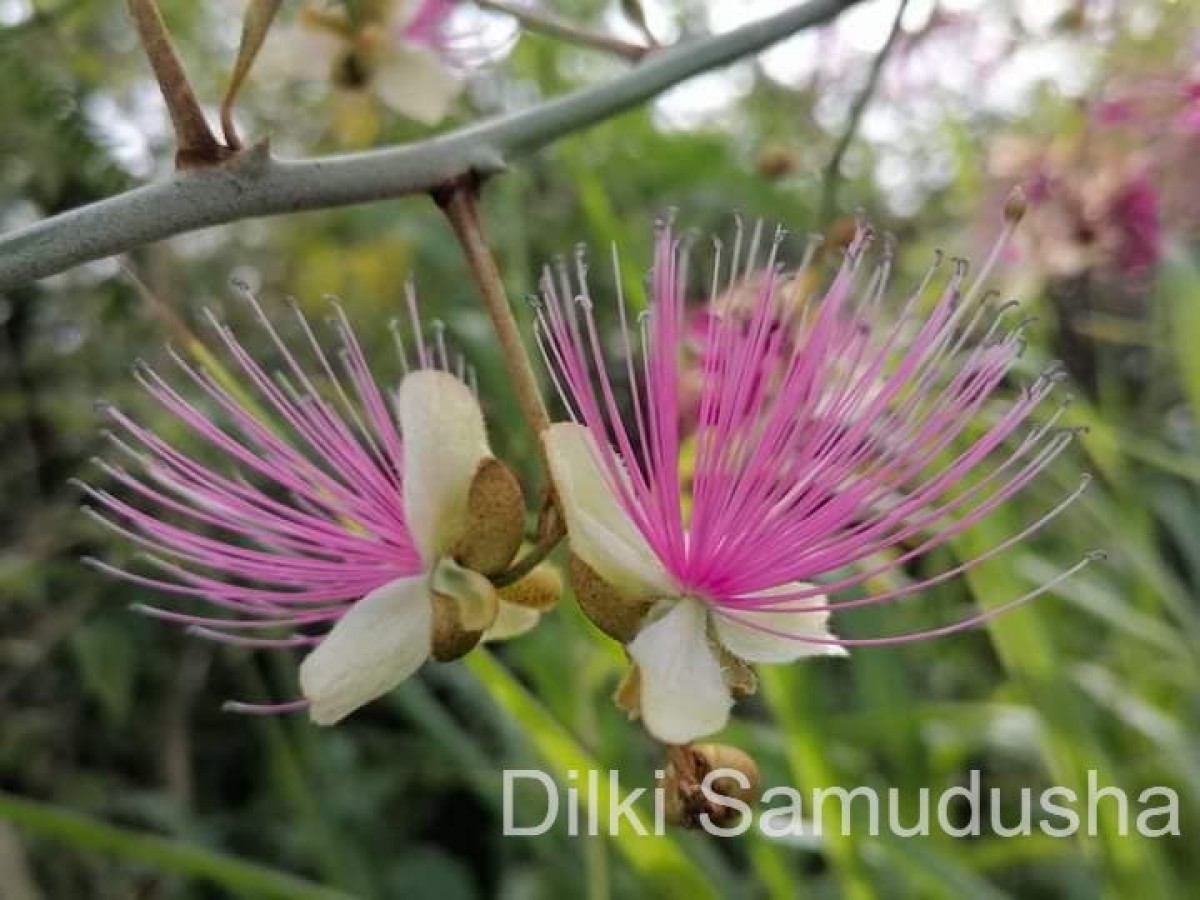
(444, 441)
(512, 621)
(754, 645)
(298, 53)
(379, 642)
(600, 531)
(413, 82)
(683, 694)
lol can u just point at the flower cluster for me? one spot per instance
(745, 464)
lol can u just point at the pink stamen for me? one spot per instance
(826, 433)
(300, 515)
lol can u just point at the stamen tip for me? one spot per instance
(1016, 205)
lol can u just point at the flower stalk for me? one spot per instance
(460, 203)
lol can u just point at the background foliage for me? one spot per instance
(112, 722)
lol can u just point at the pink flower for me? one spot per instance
(329, 519)
(797, 472)
(1134, 217)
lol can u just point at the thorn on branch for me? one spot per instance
(636, 14)
(196, 145)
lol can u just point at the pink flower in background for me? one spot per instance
(424, 22)
(329, 522)
(1187, 119)
(1092, 208)
(1134, 214)
(788, 491)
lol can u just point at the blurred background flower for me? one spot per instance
(109, 719)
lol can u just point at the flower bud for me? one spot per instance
(451, 640)
(614, 613)
(685, 798)
(495, 522)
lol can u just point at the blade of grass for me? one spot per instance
(1070, 748)
(237, 876)
(792, 694)
(664, 867)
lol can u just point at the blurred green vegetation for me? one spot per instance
(122, 777)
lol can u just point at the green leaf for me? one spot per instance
(1180, 291)
(239, 877)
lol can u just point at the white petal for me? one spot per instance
(511, 621)
(298, 53)
(601, 532)
(444, 441)
(754, 645)
(382, 640)
(683, 696)
(412, 81)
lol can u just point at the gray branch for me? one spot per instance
(256, 184)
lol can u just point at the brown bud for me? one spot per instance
(841, 233)
(450, 640)
(614, 613)
(684, 779)
(776, 161)
(464, 605)
(495, 522)
(541, 589)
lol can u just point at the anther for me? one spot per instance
(1016, 205)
